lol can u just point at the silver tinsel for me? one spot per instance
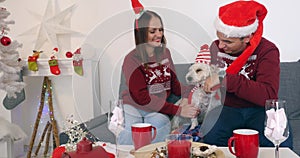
(74, 131)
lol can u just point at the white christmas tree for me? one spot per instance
(10, 63)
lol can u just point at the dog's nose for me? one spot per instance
(189, 78)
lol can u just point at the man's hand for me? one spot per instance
(211, 82)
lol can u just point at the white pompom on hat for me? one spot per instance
(240, 19)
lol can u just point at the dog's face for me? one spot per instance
(198, 72)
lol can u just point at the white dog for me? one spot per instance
(197, 74)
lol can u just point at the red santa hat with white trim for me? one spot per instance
(240, 19)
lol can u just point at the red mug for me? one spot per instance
(246, 143)
(142, 134)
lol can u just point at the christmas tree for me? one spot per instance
(10, 64)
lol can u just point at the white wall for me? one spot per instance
(106, 36)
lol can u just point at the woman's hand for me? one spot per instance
(189, 111)
(184, 101)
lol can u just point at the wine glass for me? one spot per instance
(276, 123)
(116, 120)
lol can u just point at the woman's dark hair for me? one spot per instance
(141, 27)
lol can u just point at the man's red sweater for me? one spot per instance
(257, 81)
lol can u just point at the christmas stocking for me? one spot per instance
(77, 62)
(32, 61)
(53, 63)
(11, 102)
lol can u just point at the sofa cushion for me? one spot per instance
(295, 128)
(289, 90)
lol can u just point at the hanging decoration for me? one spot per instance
(11, 102)
(53, 63)
(11, 79)
(32, 60)
(69, 54)
(77, 61)
(5, 40)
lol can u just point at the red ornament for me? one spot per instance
(69, 54)
(55, 49)
(5, 41)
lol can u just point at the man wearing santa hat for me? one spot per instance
(252, 68)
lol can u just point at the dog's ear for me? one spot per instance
(214, 69)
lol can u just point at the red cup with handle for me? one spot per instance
(244, 143)
(142, 134)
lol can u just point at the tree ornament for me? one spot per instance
(53, 63)
(69, 54)
(5, 40)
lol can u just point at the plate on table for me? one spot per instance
(145, 152)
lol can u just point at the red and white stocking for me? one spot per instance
(53, 63)
(77, 61)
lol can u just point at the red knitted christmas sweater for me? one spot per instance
(258, 79)
(149, 86)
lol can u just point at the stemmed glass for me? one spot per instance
(116, 120)
(276, 123)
